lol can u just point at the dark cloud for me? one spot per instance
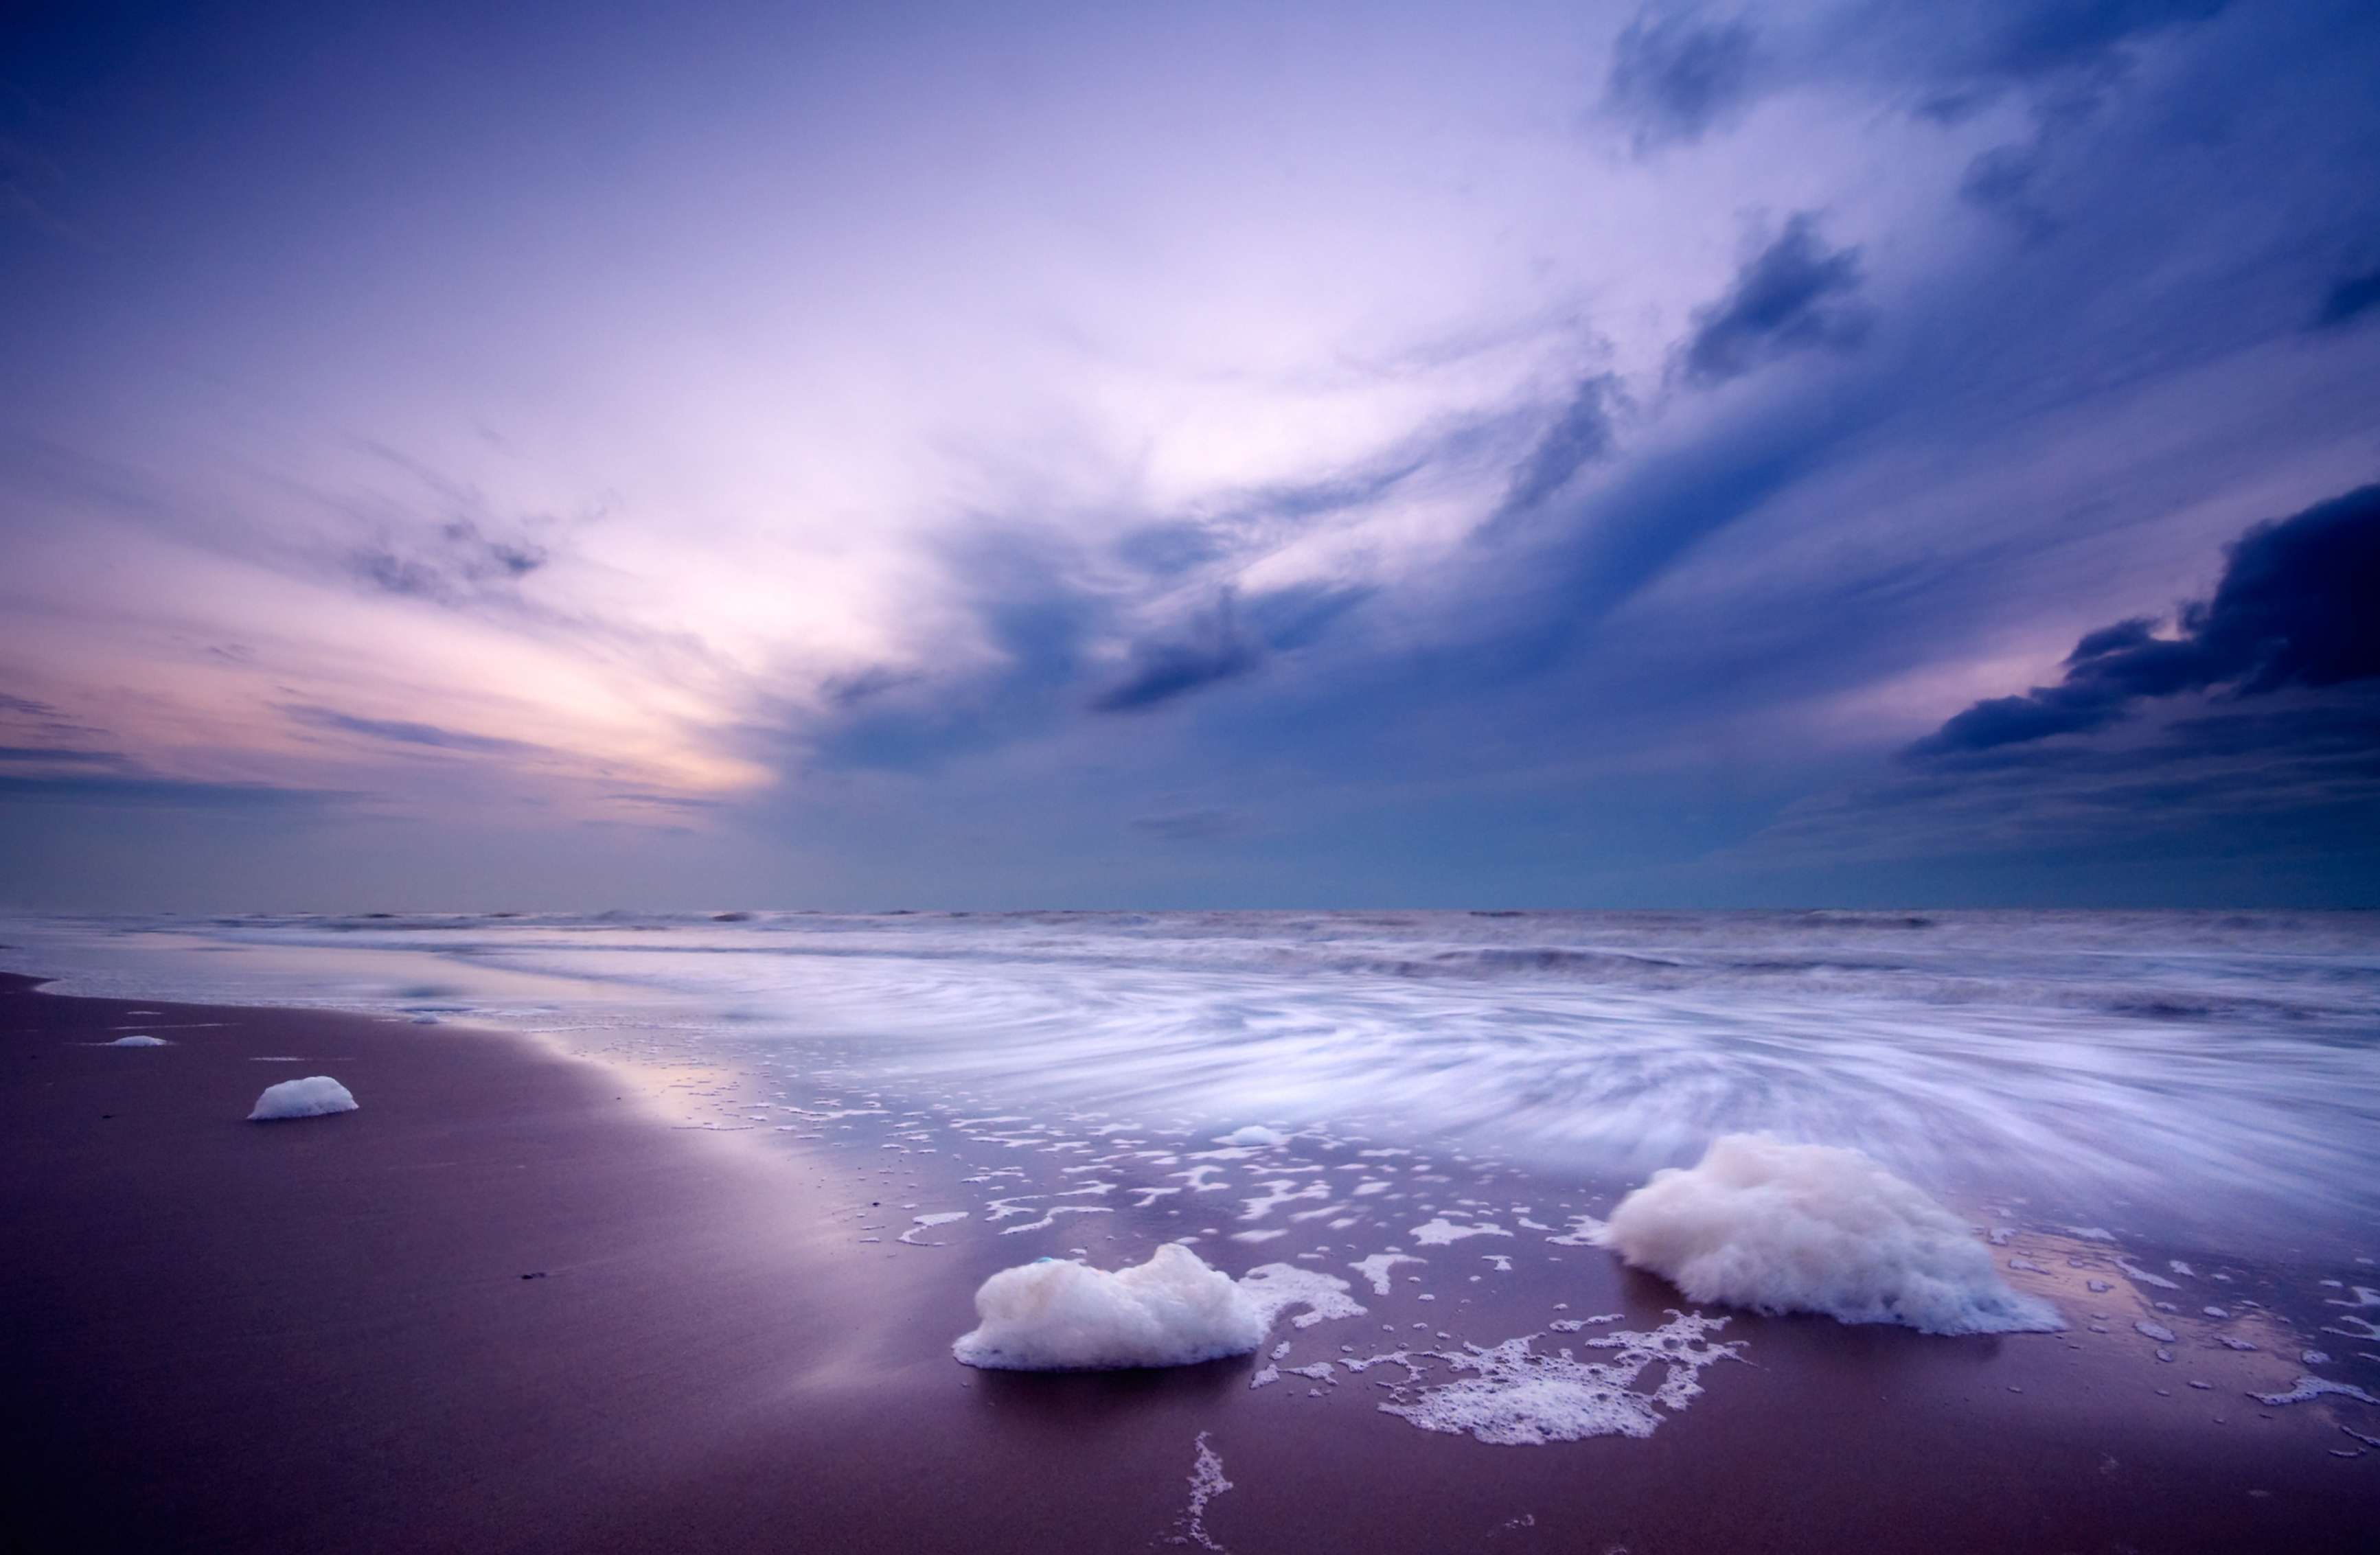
(1295, 617)
(2279, 788)
(2063, 53)
(2027, 41)
(664, 801)
(861, 685)
(1213, 649)
(2295, 607)
(2064, 58)
(1675, 77)
(30, 755)
(1581, 435)
(1792, 296)
(401, 732)
(27, 719)
(108, 789)
(2005, 181)
(2349, 299)
(1253, 518)
(1020, 587)
(1188, 826)
(458, 562)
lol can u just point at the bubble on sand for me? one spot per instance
(1056, 1316)
(314, 1097)
(138, 1042)
(1816, 1228)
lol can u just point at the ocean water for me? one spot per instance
(2214, 1078)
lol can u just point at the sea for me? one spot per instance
(2211, 1078)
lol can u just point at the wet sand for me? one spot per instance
(317, 1336)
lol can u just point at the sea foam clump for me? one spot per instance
(1814, 1228)
(1055, 1315)
(312, 1096)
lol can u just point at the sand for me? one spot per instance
(317, 1335)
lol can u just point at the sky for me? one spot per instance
(1863, 452)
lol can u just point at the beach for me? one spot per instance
(511, 1302)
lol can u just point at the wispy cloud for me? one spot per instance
(1676, 75)
(1794, 295)
(397, 730)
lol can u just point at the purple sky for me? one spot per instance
(1134, 455)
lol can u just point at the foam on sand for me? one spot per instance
(1054, 1315)
(1376, 1268)
(1515, 1397)
(1253, 1134)
(1441, 1231)
(2312, 1387)
(314, 1097)
(139, 1042)
(1815, 1228)
(1277, 1287)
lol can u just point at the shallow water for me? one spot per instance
(2214, 1077)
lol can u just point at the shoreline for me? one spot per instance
(318, 1335)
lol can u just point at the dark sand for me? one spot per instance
(316, 1336)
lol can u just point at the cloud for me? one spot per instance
(2006, 181)
(2064, 59)
(29, 755)
(2349, 299)
(403, 732)
(1215, 649)
(1793, 295)
(459, 562)
(2065, 54)
(2295, 783)
(1249, 520)
(1188, 826)
(152, 792)
(1025, 592)
(2294, 608)
(1579, 436)
(2027, 41)
(1676, 76)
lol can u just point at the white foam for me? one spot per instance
(1516, 1397)
(139, 1042)
(1814, 1228)
(1206, 1482)
(1442, 1232)
(2144, 1277)
(1277, 1287)
(1253, 1134)
(920, 1224)
(1054, 1315)
(1585, 1231)
(2312, 1387)
(314, 1097)
(1376, 1268)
